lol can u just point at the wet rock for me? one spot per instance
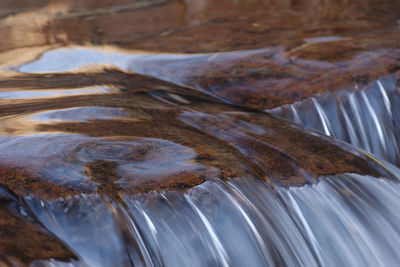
(184, 107)
(164, 137)
(280, 52)
(23, 239)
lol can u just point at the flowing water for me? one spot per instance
(349, 220)
(366, 118)
(199, 133)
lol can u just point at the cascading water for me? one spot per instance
(342, 220)
(367, 118)
(167, 133)
(350, 220)
(346, 219)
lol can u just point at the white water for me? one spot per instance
(345, 220)
(366, 118)
(348, 220)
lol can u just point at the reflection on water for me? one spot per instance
(324, 39)
(271, 76)
(155, 180)
(5, 95)
(189, 26)
(79, 114)
(199, 133)
(74, 58)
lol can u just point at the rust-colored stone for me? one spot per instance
(23, 240)
(198, 117)
(167, 138)
(304, 48)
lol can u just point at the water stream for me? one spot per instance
(347, 220)
(341, 220)
(366, 117)
(199, 133)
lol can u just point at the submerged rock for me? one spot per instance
(141, 110)
(146, 135)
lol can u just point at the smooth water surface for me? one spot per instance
(199, 133)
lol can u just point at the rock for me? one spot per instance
(151, 135)
(23, 239)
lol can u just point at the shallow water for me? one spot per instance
(212, 133)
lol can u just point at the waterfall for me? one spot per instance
(365, 118)
(199, 133)
(348, 220)
(344, 219)
(341, 220)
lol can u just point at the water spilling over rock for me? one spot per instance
(199, 133)
(366, 118)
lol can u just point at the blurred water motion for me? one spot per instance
(199, 133)
(350, 220)
(366, 118)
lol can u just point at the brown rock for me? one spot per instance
(23, 240)
(151, 135)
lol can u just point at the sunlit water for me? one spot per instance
(139, 133)
(342, 220)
